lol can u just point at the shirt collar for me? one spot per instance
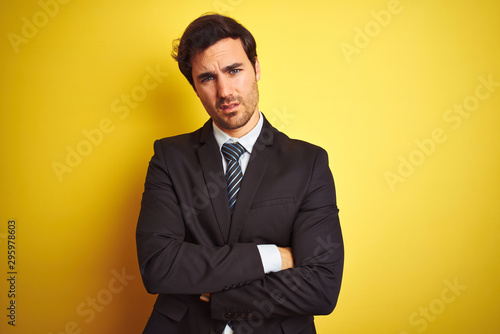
(248, 140)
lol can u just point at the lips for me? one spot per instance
(229, 107)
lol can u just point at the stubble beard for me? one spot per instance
(242, 115)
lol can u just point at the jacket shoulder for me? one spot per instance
(180, 142)
(296, 146)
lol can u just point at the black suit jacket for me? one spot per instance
(188, 243)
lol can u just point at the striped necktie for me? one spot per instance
(232, 153)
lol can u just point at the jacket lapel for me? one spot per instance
(211, 164)
(262, 153)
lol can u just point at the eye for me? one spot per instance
(234, 71)
(208, 78)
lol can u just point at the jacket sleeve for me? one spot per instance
(169, 264)
(313, 285)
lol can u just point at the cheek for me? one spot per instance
(206, 97)
(245, 86)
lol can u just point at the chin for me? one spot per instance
(233, 124)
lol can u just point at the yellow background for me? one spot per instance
(406, 241)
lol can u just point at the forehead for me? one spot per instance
(225, 52)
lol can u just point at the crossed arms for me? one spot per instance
(174, 259)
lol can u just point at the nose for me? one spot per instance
(224, 87)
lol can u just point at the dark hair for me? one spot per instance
(204, 32)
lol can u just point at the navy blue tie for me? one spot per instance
(232, 153)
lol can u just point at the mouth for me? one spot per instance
(230, 107)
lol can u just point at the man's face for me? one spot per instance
(226, 83)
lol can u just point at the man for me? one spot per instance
(238, 229)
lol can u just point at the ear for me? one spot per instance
(257, 69)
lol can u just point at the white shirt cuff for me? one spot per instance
(271, 258)
(228, 330)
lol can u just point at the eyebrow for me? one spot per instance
(225, 70)
(232, 67)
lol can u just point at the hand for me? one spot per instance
(205, 297)
(286, 257)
